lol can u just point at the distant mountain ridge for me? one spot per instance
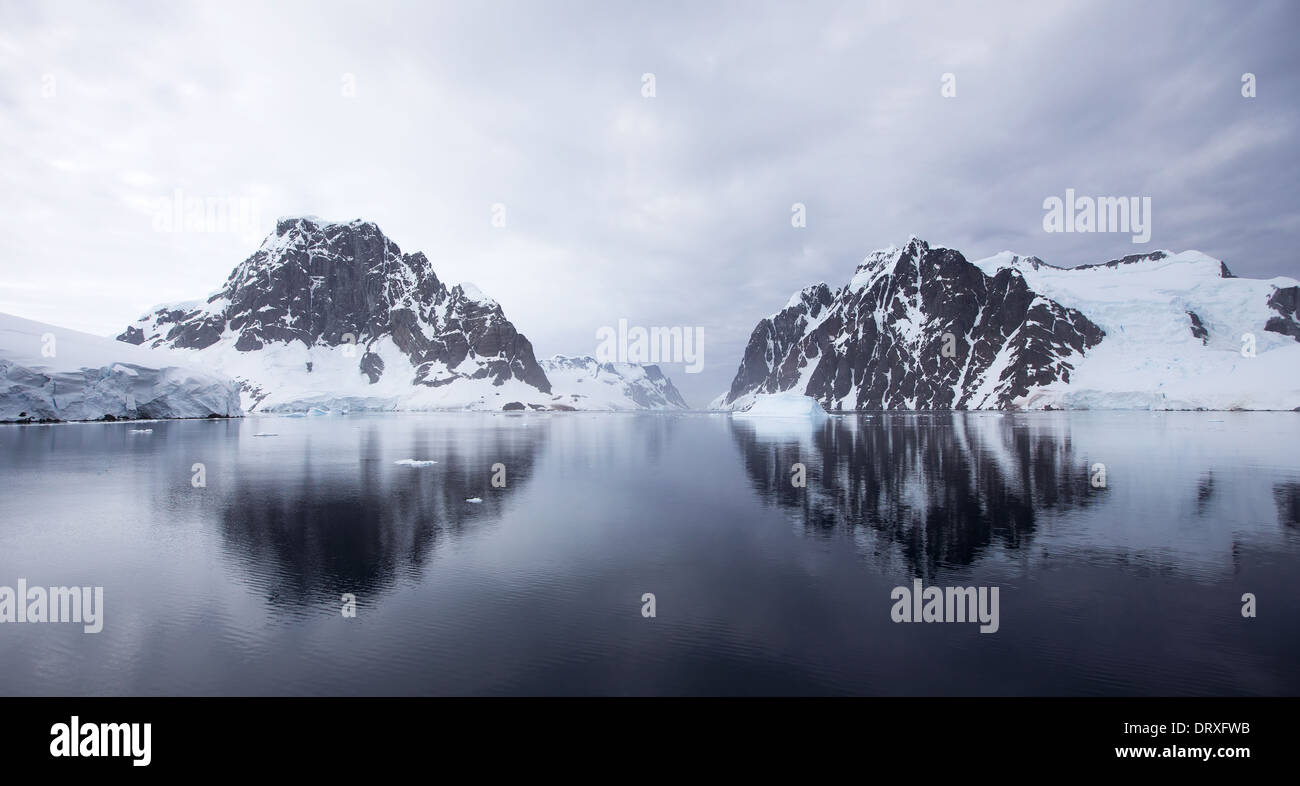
(590, 384)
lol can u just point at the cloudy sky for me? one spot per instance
(666, 210)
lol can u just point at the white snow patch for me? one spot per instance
(471, 292)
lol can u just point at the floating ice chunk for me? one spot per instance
(787, 406)
(141, 431)
(415, 463)
(475, 500)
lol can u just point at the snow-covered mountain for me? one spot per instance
(585, 383)
(335, 316)
(1176, 326)
(51, 373)
(920, 327)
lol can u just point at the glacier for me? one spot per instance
(1176, 325)
(49, 373)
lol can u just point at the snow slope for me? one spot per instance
(275, 379)
(87, 378)
(1151, 358)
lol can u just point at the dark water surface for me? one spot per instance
(760, 587)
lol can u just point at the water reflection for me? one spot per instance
(762, 587)
(355, 522)
(940, 487)
(1288, 504)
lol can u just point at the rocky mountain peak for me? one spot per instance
(330, 284)
(918, 327)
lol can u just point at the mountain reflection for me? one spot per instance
(1287, 496)
(941, 488)
(311, 533)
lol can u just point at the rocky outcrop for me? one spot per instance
(1286, 302)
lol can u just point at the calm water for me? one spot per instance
(760, 587)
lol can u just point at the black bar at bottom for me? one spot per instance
(334, 735)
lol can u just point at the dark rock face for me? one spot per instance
(1128, 260)
(771, 344)
(372, 366)
(192, 328)
(1198, 328)
(335, 284)
(917, 328)
(1286, 302)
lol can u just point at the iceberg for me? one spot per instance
(786, 406)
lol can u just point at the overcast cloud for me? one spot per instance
(672, 210)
